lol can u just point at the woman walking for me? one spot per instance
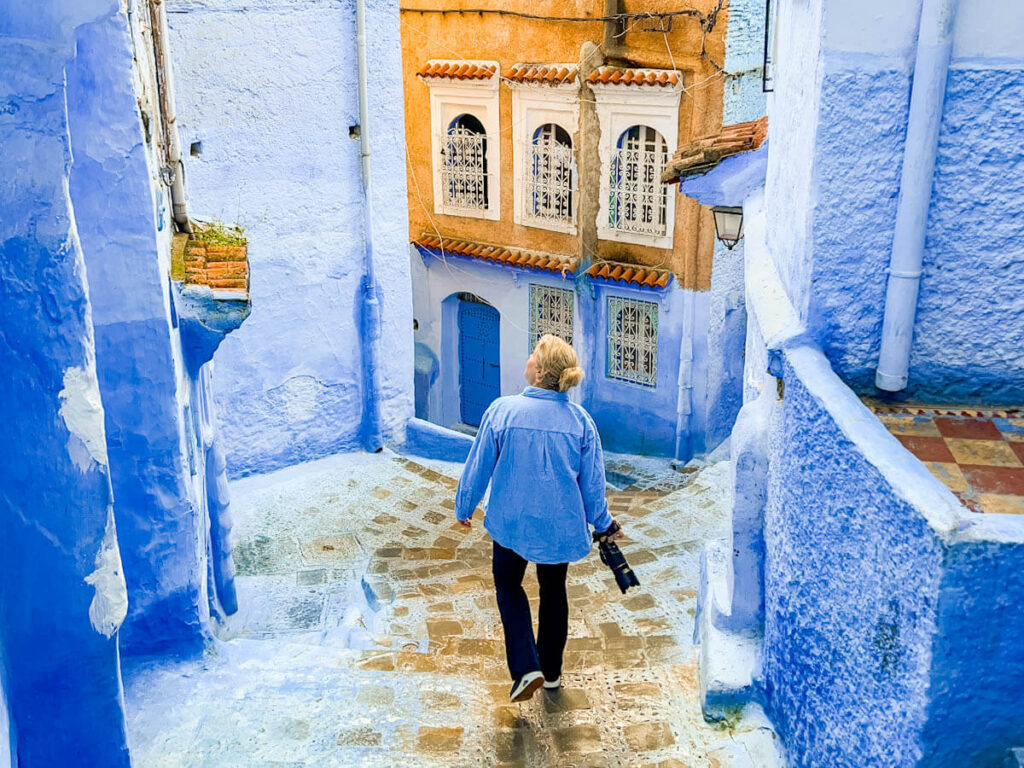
(542, 455)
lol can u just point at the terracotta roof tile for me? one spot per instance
(705, 153)
(639, 77)
(459, 69)
(541, 262)
(631, 274)
(545, 74)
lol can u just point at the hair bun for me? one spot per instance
(570, 378)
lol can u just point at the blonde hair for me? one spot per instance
(558, 367)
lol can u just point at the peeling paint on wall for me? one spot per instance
(82, 411)
(109, 604)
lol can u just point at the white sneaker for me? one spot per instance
(526, 686)
(553, 685)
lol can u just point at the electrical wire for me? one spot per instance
(707, 24)
(708, 18)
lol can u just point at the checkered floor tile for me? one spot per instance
(978, 454)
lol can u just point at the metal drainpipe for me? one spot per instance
(684, 383)
(172, 143)
(371, 430)
(931, 67)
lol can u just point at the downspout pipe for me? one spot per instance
(371, 436)
(684, 383)
(927, 96)
(174, 172)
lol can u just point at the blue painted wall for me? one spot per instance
(272, 104)
(851, 582)
(743, 94)
(969, 335)
(159, 519)
(892, 616)
(970, 321)
(726, 335)
(63, 594)
(630, 417)
(890, 610)
(743, 99)
(977, 664)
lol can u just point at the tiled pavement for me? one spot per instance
(369, 635)
(978, 454)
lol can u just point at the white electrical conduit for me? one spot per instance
(372, 437)
(931, 67)
(172, 144)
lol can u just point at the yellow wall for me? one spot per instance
(510, 40)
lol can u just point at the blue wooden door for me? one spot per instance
(479, 360)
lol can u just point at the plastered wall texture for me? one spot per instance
(851, 580)
(970, 314)
(892, 614)
(63, 591)
(791, 130)
(272, 105)
(159, 520)
(743, 97)
(727, 325)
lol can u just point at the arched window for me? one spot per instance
(550, 182)
(464, 165)
(637, 196)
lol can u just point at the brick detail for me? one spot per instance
(222, 267)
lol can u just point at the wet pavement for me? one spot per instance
(369, 634)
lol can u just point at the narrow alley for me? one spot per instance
(369, 634)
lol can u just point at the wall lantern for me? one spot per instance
(728, 225)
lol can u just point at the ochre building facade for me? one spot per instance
(536, 140)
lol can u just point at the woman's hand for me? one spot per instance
(466, 523)
(618, 534)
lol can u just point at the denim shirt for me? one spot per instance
(542, 455)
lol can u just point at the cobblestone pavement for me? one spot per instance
(369, 634)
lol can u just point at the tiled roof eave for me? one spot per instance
(550, 75)
(458, 70)
(635, 276)
(702, 155)
(626, 77)
(499, 256)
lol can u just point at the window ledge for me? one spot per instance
(634, 238)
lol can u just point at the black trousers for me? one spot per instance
(524, 654)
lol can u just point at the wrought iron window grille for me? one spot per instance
(633, 341)
(464, 175)
(550, 178)
(637, 198)
(551, 311)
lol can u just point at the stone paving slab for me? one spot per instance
(369, 634)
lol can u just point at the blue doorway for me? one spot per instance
(479, 358)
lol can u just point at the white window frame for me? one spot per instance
(648, 380)
(448, 100)
(534, 105)
(619, 108)
(564, 294)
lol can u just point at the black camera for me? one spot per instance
(612, 556)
